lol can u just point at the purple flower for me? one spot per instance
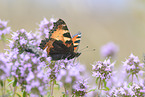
(133, 65)
(5, 67)
(117, 78)
(103, 70)
(109, 50)
(45, 26)
(22, 38)
(34, 95)
(3, 28)
(27, 67)
(30, 74)
(125, 90)
(23, 41)
(80, 87)
(69, 75)
(70, 72)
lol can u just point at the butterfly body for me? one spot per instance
(60, 44)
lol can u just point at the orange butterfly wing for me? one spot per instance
(61, 32)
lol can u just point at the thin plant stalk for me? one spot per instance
(70, 91)
(2, 91)
(99, 84)
(51, 88)
(4, 86)
(132, 78)
(15, 88)
(66, 93)
(3, 40)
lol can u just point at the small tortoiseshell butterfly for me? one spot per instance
(60, 44)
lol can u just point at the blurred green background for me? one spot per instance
(100, 21)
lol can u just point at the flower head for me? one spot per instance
(5, 67)
(125, 90)
(70, 72)
(109, 50)
(45, 26)
(133, 65)
(3, 28)
(103, 70)
(79, 88)
(27, 67)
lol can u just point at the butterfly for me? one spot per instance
(60, 44)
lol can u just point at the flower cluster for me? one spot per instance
(70, 71)
(45, 26)
(134, 90)
(103, 70)
(5, 67)
(118, 77)
(79, 88)
(22, 38)
(28, 68)
(133, 65)
(109, 50)
(70, 74)
(52, 70)
(3, 28)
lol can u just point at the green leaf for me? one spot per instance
(10, 82)
(24, 93)
(66, 95)
(104, 83)
(10, 93)
(1, 82)
(136, 77)
(129, 75)
(129, 84)
(106, 89)
(15, 82)
(18, 95)
(49, 95)
(57, 84)
(92, 90)
(3, 37)
(97, 79)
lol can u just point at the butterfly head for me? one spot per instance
(73, 54)
(77, 54)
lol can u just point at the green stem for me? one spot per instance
(51, 87)
(11, 88)
(99, 84)
(65, 91)
(15, 88)
(4, 86)
(3, 40)
(2, 91)
(132, 78)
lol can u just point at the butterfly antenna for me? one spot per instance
(89, 50)
(84, 48)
